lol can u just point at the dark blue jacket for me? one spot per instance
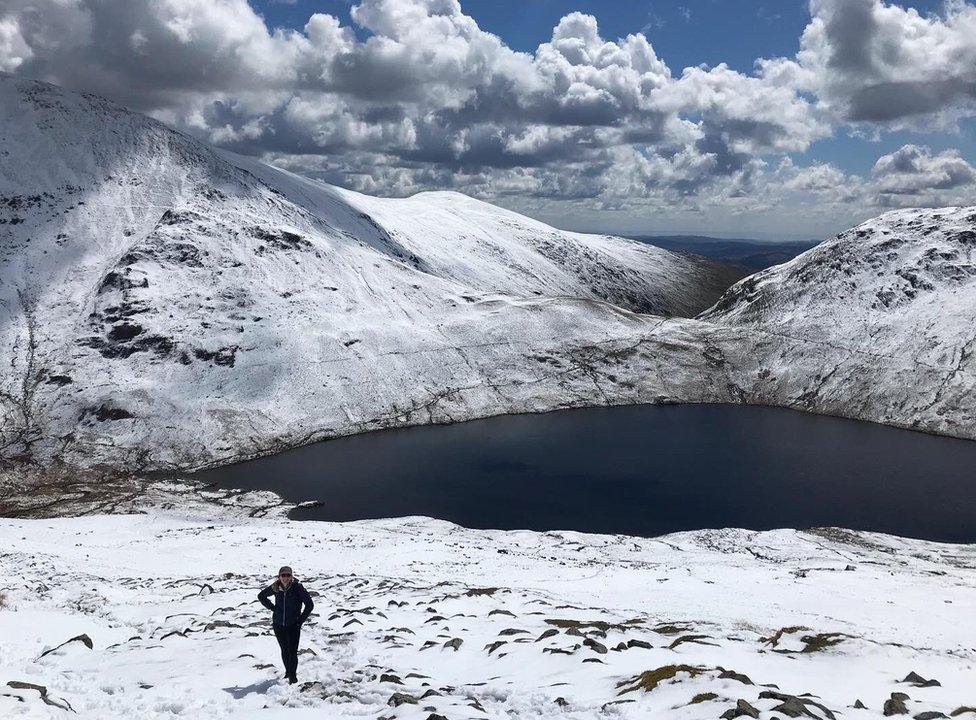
(291, 606)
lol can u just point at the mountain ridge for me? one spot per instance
(168, 307)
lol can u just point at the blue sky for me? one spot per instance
(684, 33)
(597, 115)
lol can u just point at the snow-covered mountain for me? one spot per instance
(879, 323)
(490, 249)
(155, 290)
(167, 306)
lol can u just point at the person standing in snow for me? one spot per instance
(291, 608)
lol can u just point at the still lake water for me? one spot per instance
(639, 470)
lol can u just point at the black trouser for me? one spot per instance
(288, 640)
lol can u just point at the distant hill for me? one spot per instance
(750, 254)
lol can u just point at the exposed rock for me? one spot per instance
(698, 639)
(501, 612)
(595, 646)
(822, 641)
(482, 592)
(732, 675)
(742, 709)
(913, 678)
(650, 679)
(775, 638)
(895, 705)
(796, 705)
(42, 691)
(473, 702)
(83, 639)
(398, 699)
(580, 625)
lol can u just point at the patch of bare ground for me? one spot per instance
(57, 490)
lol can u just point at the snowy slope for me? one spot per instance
(418, 619)
(878, 322)
(491, 249)
(163, 305)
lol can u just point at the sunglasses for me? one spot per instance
(285, 575)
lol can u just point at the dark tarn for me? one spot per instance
(640, 470)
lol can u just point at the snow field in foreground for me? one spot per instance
(418, 618)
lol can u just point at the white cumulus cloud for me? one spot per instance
(416, 95)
